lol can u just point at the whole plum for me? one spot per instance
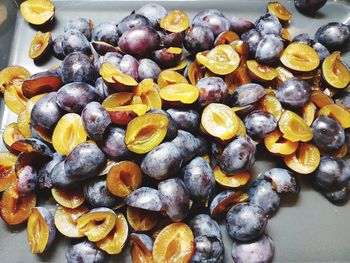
(208, 250)
(154, 12)
(211, 90)
(187, 120)
(113, 144)
(268, 24)
(106, 32)
(309, 6)
(198, 38)
(259, 124)
(294, 92)
(85, 252)
(83, 25)
(148, 69)
(334, 35)
(97, 194)
(77, 67)
(133, 20)
(252, 37)
(74, 40)
(269, 49)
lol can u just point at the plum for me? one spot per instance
(74, 40)
(198, 38)
(154, 12)
(211, 90)
(73, 97)
(321, 51)
(208, 250)
(113, 58)
(309, 6)
(283, 180)
(252, 37)
(303, 38)
(85, 161)
(334, 35)
(59, 177)
(171, 129)
(101, 88)
(337, 196)
(129, 66)
(174, 39)
(240, 25)
(148, 69)
(199, 179)
(57, 47)
(44, 178)
(133, 20)
(77, 67)
(223, 201)
(294, 92)
(187, 120)
(188, 145)
(259, 124)
(27, 180)
(85, 252)
(247, 94)
(163, 161)
(245, 222)
(95, 120)
(97, 194)
(175, 198)
(204, 225)
(268, 24)
(83, 25)
(145, 198)
(106, 32)
(113, 144)
(269, 49)
(215, 22)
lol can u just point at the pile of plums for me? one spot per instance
(148, 129)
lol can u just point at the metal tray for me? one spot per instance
(307, 228)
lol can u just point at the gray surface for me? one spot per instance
(307, 228)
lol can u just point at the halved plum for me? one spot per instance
(7, 173)
(12, 74)
(224, 201)
(42, 82)
(175, 21)
(182, 94)
(260, 72)
(71, 198)
(140, 219)
(275, 143)
(122, 115)
(66, 220)
(334, 71)
(40, 45)
(11, 135)
(338, 113)
(141, 247)
(148, 92)
(169, 77)
(294, 127)
(195, 72)
(37, 12)
(309, 112)
(14, 98)
(272, 105)
(231, 180)
(115, 79)
(279, 10)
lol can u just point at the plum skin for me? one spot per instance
(85, 251)
(97, 194)
(204, 225)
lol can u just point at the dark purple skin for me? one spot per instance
(294, 93)
(332, 173)
(102, 48)
(238, 155)
(154, 12)
(202, 146)
(44, 178)
(113, 144)
(133, 20)
(211, 89)
(216, 23)
(77, 67)
(172, 128)
(283, 180)
(162, 162)
(97, 194)
(240, 25)
(252, 37)
(145, 198)
(129, 66)
(334, 35)
(309, 6)
(27, 180)
(175, 198)
(199, 179)
(259, 124)
(46, 113)
(329, 136)
(74, 41)
(85, 252)
(262, 193)
(247, 94)
(260, 250)
(245, 222)
(337, 196)
(166, 59)
(49, 220)
(85, 161)
(321, 51)
(106, 32)
(58, 47)
(139, 41)
(83, 25)
(208, 250)
(303, 38)
(172, 40)
(36, 146)
(204, 225)
(188, 145)
(269, 49)
(198, 38)
(199, 16)
(101, 88)
(246, 110)
(95, 120)
(268, 24)
(343, 98)
(59, 177)
(113, 58)
(222, 197)
(73, 97)
(142, 239)
(148, 69)
(187, 120)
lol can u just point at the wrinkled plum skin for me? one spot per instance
(101, 89)
(268, 24)
(59, 177)
(74, 41)
(252, 37)
(294, 92)
(198, 38)
(199, 179)
(154, 12)
(257, 251)
(73, 97)
(333, 35)
(84, 161)
(58, 47)
(283, 179)
(46, 113)
(131, 21)
(321, 51)
(329, 136)
(145, 198)
(106, 32)
(129, 66)
(139, 41)
(44, 179)
(261, 193)
(259, 124)
(113, 144)
(27, 180)
(303, 38)
(83, 25)
(188, 145)
(77, 67)
(148, 69)
(172, 129)
(269, 49)
(95, 120)
(204, 225)
(172, 40)
(211, 89)
(247, 94)
(208, 250)
(113, 58)
(216, 23)
(187, 120)
(238, 155)
(162, 162)
(245, 222)
(240, 25)
(332, 173)
(309, 6)
(85, 251)
(175, 198)
(97, 194)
